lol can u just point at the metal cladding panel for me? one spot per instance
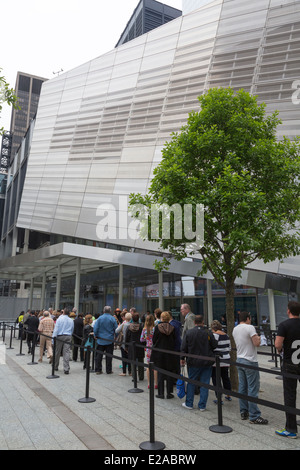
(100, 128)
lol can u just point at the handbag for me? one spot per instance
(89, 343)
(181, 386)
(120, 337)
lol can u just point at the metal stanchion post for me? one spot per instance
(134, 371)
(219, 428)
(152, 444)
(3, 333)
(11, 335)
(276, 355)
(93, 356)
(272, 347)
(21, 345)
(87, 399)
(53, 376)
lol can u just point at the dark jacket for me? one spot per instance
(133, 333)
(178, 328)
(164, 338)
(32, 323)
(78, 327)
(200, 342)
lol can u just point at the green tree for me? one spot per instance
(228, 158)
(7, 95)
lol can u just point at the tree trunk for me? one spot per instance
(230, 326)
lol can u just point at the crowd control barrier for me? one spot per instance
(87, 398)
(152, 444)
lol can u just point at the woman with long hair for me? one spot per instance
(147, 337)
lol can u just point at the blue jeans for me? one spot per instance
(249, 385)
(201, 374)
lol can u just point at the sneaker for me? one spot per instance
(244, 415)
(285, 433)
(228, 398)
(259, 420)
(187, 407)
(216, 402)
(202, 409)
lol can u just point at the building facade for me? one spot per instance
(27, 89)
(191, 5)
(100, 129)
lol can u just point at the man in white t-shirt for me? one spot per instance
(247, 341)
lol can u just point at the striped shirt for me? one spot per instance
(224, 347)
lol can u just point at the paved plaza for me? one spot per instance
(38, 413)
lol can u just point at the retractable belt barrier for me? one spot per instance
(135, 363)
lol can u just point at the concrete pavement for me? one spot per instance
(38, 413)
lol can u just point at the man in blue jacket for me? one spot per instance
(104, 332)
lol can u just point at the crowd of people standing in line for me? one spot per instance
(192, 345)
(121, 328)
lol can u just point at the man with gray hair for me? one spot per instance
(189, 318)
(104, 333)
(46, 327)
(63, 331)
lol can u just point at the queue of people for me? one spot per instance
(171, 346)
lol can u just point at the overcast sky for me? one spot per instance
(44, 36)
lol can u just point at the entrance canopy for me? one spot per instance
(45, 261)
